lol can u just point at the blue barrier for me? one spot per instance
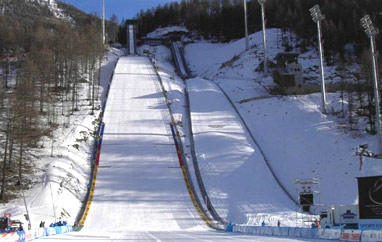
(58, 230)
(21, 235)
(284, 231)
(229, 228)
(296, 233)
(309, 233)
(50, 231)
(101, 132)
(43, 232)
(281, 231)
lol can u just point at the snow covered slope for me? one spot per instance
(210, 60)
(60, 183)
(139, 184)
(231, 61)
(140, 194)
(237, 178)
(299, 140)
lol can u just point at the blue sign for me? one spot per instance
(349, 215)
(370, 224)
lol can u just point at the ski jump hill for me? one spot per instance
(140, 193)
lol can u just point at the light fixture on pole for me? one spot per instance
(371, 32)
(262, 2)
(54, 209)
(317, 17)
(246, 25)
(103, 22)
(27, 214)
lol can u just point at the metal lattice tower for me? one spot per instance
(317, 17)
(262, 2)
(371, 32)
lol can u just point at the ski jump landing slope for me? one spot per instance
(241, 186)
(139, 186)
(140, 194)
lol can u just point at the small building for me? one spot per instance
(164, 36)
(152, 41)
(288, 72)
(176, 35)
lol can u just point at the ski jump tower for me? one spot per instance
(131, 31)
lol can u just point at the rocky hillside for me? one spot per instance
(26, 8)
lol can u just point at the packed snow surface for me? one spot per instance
(298, 139)
(139, 184)
(237, 178)
(140, 194)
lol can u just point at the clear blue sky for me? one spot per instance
(122, 8)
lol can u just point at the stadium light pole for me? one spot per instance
(317, 17)
(54, 209)
(103, 22)
(262, 2)
(371, 32)
(26, 208)
(246, 26)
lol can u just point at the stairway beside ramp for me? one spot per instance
(180, 64)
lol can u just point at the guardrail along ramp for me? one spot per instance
(139, 184)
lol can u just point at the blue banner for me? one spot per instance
(21, 235)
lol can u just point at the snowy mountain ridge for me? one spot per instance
(33, 8)
(53, 7)
(50, 3)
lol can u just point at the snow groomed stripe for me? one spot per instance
(190, 188)
(267, 162)
(187, 181)
(94, 178)
(198, 174)
(181, 66)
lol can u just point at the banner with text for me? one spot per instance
(370, 197)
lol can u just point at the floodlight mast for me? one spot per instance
(246, 26)
(317, 17)
(371, 32)
(262, 2)
(103, 22)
